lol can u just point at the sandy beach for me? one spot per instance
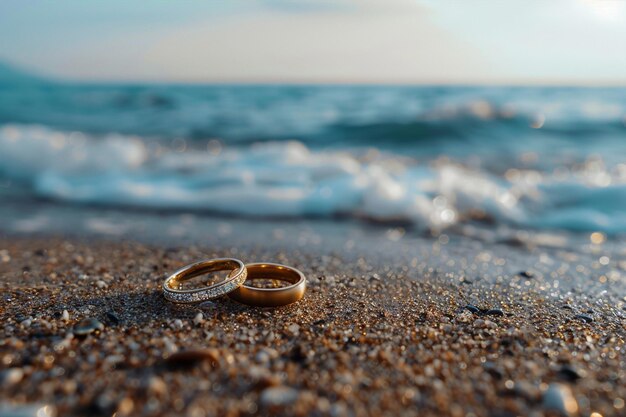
(460, 332)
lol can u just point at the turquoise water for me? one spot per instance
(429, 157)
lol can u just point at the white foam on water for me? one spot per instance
(289, 179)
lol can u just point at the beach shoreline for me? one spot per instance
(430, 329)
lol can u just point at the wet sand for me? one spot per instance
(461, 331)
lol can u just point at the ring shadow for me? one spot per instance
(142, 307)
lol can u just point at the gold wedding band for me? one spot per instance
(237, 277)
(271, 297)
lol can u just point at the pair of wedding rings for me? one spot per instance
(234, 285)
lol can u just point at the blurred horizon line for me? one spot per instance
(21, 72)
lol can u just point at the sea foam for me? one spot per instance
(287, 179)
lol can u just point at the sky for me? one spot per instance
(320, 41)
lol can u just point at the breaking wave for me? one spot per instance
(291, 179)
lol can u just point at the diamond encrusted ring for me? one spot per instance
(237, 277)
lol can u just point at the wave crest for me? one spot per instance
(287, 179)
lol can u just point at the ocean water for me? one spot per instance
(540, 158)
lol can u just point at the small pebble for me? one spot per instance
(188, 358)
(157, 386)
(569, 373)
(485, 324)
(526, 274)
(125, 407)
(494, 312)
(112, 317)
(26, 323)
(27, 410)
(490, 324)
(65, 316)
(278, 397)
(177, 324)
(493, 370)
(584, 317)
(472, 308)
(101, 284)
(199, 319)
(87, 326)
(559, 398)
(4, 256)
(263, 378)
(207, 305)
(266, 354)
(11, 376)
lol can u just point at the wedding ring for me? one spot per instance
(237, 277)
(271, 297)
